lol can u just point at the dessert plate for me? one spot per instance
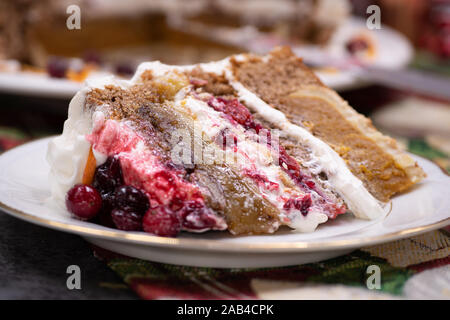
(25, 194)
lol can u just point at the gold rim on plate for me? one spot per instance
(205, 244)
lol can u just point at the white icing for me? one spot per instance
(67, 154)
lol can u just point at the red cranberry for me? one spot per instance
(91, 56)
(125, 69)
(107, 201)
(310, 184)
(126, 220)
(131, 199)
(161, 221)
(232, 108)
(83, 201)
(355, 45)
(164, 180)
(105, 218)
(261, 180)
(57, 67)
(288, 161)
(108, 176)
(226, 139)
(300, 203)
(195, 216)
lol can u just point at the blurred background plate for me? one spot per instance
(37, 85)
(390, 50)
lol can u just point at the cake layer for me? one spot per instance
(282, 81)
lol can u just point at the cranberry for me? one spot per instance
(105, 219)
(108, 176)
(57, 67)
(125, 69)
(178, 200)
(131, 199)
(107, 201)
(355, 45)
(310, 184)
(83, 201)
(162, 221)
(91, 56)
(261, 180)
(127, 220)
(164, 180)
(232, 108)
(226, 139)
(300, 203)
(288, 162)
(195, 216)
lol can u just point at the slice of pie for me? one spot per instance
(247, 144)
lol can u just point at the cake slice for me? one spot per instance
(207, 147)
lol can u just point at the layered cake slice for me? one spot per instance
(208, 147)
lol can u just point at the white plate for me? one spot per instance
(393, 51)
(24, 193)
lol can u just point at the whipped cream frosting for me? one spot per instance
(67, 154)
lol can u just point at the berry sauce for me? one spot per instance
(237, 113)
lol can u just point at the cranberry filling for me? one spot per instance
(261, 180)
(300, 203)
(237, 112)
(227, 139)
